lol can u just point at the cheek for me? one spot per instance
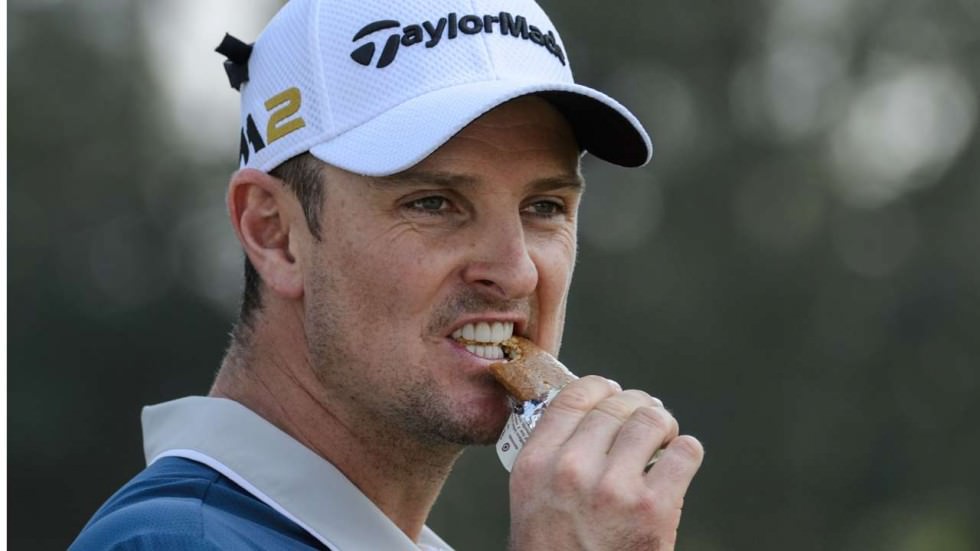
(555, 265)
(555, 258)
(390, 272)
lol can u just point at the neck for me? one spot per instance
(270, 373)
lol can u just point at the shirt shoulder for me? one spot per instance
(176, 503)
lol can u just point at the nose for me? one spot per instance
(499, 260)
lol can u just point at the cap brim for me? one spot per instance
(404, 135)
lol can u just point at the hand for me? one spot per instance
(579, 482)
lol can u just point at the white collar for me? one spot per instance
(275, 468)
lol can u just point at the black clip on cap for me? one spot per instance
(236, 66)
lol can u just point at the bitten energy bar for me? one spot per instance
(530, 372)
(533, 378)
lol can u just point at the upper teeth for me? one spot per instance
(485, 338)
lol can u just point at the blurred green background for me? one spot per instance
(797, 275)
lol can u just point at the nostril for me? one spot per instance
(502, 278)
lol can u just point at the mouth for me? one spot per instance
(487, 340)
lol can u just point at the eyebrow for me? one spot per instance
(418, 177)
(454, 180)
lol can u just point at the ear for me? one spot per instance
(258, 205)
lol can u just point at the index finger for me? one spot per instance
(565, 412)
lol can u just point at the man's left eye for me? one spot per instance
(431, 204)
(545, 208)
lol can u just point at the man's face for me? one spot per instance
(481, 231)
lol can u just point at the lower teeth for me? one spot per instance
(490, 351)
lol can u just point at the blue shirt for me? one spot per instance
(176, 503)
(220, 476)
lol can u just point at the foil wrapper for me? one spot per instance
(522, 420)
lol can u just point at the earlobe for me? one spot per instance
(263, 224)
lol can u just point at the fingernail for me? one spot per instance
(614, 384)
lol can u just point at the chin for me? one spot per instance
(471, 417)
(483, 425)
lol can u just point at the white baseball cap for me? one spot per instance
(374, 87)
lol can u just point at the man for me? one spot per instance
(410, 177)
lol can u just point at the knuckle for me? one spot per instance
(569, 475)
(647, 505)
(575, 399)
(640, 396)
(624, 404)
(690, 447)
(609, 494)
(592, 380)
(655, 507)
(656, 418)
(643, 398)
(581, 395)
(612, 493)
(615, 407)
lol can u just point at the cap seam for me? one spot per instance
(486, 48)
(326, 106)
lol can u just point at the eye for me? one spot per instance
(545, 208)
(433, 204)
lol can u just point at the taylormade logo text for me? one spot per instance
(449, 27)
